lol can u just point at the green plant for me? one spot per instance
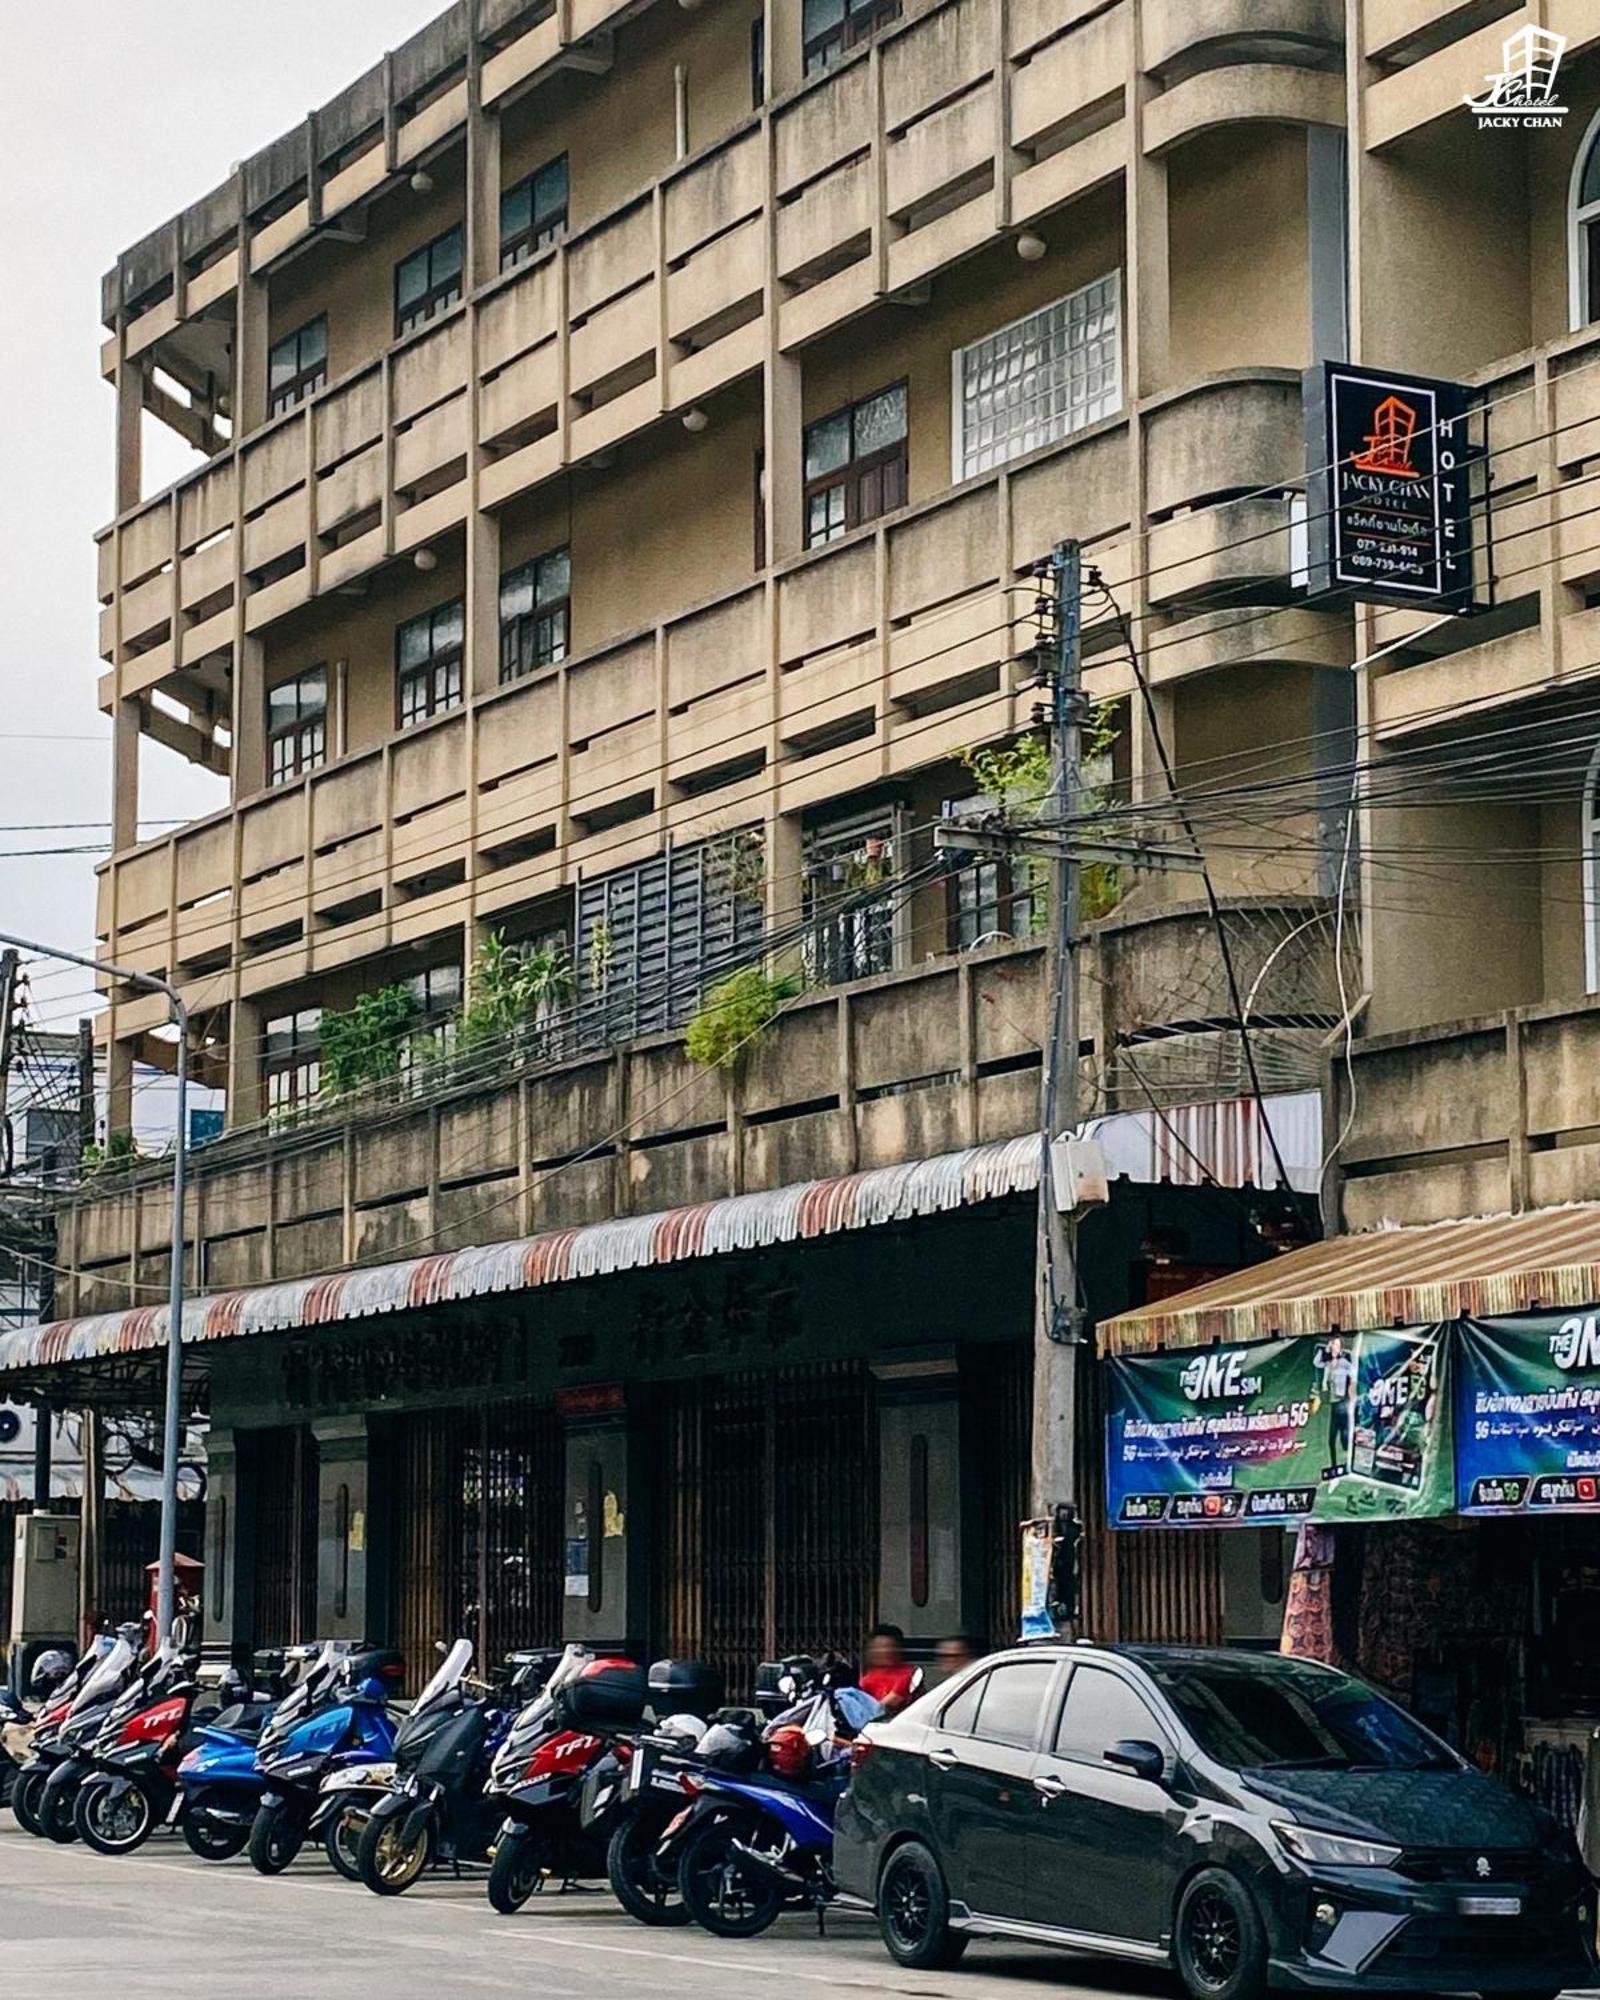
(734, 1013)
(363, 1043)
(511, 984)
(119, 1150)
(600, 952)
(740, 858)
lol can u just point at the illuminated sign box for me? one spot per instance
(1389, 487)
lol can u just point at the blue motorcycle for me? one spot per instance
(219, 1786)
(758, 1842)
(338, 1716)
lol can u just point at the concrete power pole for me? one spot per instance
(9, 962)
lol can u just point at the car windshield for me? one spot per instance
(1294, 1718)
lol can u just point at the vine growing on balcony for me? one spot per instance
(365, 1042)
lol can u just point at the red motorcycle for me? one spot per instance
(130, 1790)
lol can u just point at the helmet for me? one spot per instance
(684, 1727)
(788, 1752)
(727, 1747)
(233, 1688)
(50, 1669)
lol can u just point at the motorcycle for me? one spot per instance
(537, 1775)
(51, 1671)
(437, 1806)
(338, 1716)
(66, 1758)
(31, 1744)
(133, 1775)
(630, 1796)
(218, 1786)
(754, 1843)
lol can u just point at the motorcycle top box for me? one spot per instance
(687, 1687)
(605, 1694)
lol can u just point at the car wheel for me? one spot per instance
(914, 1910)
(1219, 1941)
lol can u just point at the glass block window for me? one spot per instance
(297, 726)
(1039, 379)
(855, 465)
(427, 282)
(533, 213)
(292, 1062)
(534, 604)
(428, 653)
(297, 366)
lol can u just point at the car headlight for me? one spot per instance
(1333, 1850)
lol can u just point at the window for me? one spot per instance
(832, 26)
(758, 62)
(436, 999)
(1008, 1702)
(534, 603)
(1583, 248)
(297, 726)
(291, 1063)
(851, 932)
(1039, 379)
(427, 653)
(297, 366)
(1101, 1710)
(990, 899)
(427, 282)
(50, 1144)
(855, 465)
(533, 213)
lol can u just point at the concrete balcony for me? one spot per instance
(1472, 1117)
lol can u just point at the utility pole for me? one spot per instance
(9, 962)
(86, 1093)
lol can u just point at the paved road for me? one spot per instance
(160, 1925)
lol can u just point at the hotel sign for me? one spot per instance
(1389, 487)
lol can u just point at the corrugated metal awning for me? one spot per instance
(1222, 1142)
(738, 1222)
(1390, 1277)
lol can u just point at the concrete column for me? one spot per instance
(249, 719)
(343, 1506)
(244, 1063)
(1328, 242)
(784, 460)
(252, 340)
(784, 38)
(230, 1552)
(119, 1087)
(606, 1550)
(927, 1548)
(130, 436)
(125, 775)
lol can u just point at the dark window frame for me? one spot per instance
(303, 741)
(873, 484)
(1002, 887)
(858, 23)
(440, 292)
(523, 651)
(518, 245)
(296, 1063)
(306, 377)
(442, 674)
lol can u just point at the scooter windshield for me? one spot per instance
(298, 1701)
(106, 1678)
(447, 1676)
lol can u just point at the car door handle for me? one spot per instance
(945, 1758)
(1048, 1787)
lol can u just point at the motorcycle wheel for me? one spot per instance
(517, 1871)
(55, 1815)
(276, 1837)
(722, 1892)
(341, 1841)
(26, 1796)
(645, 1890)
(112, 1821)
(213, 1839)
(389, 1862)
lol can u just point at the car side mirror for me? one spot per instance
(1143, 1760)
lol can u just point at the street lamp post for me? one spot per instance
(173, 1425)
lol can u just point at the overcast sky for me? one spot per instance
(112, 118)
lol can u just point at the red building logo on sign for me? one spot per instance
(1394, 427)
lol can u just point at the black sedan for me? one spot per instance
(1254, 1821)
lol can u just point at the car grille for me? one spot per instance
(1460, 1864)
(1440, 1943)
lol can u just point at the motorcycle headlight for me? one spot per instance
(1333, 1850)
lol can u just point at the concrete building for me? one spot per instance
(628, 435)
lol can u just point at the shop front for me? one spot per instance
(1418, 1412)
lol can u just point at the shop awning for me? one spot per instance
(738, 1222)
(1390, 1277)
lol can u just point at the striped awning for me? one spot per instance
(599, 1249)
(1390, 1277)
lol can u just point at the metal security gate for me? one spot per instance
(475, 1517)
(999, 1406)
(769, 1544)
(278, 1476)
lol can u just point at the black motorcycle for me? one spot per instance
(65, 1759)
(437, 1808)
(630, 1797)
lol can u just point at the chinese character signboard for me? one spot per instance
(1528, 1414)
(1343, 1428)
(1389, 492)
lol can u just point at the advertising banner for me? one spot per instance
(1528, 1414)
(1344, 1428)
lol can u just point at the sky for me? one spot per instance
(112, 118)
